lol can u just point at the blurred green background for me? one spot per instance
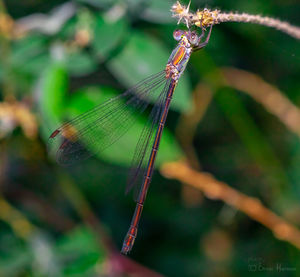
(60, 58)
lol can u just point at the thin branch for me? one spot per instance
(217, 190)
(16, 220)
(185, 132)
(206, 17)
(264, 93)
(279, 25)
(189, 121)
(47, 24)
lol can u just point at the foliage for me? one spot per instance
(68, 221)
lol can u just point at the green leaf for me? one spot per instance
(97, 3)
(158, 11)
(80, 240)
(293, 168)
(36, 64)
(143, 56)
(81, 265)
(80, 63)
(121, 152)
(14, 260)
(108, 34)
(1, 72)
(53, 89)
(68, 30)
(258, 147)
(80, 252)
(26, 50)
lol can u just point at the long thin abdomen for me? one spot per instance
(132, 232)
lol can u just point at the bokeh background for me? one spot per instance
(235, 115)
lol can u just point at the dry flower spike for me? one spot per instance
(214, 189)
(206, 17)
(16, 113)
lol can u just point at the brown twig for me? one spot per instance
(41, 208)
(251, 206)
(185, 133)
(269, 96)
(84, 210)
(189, 121)
(19, 223)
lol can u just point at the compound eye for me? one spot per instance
(193, 38)
(177, 34)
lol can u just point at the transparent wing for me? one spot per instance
(144, 145)
(98, 128)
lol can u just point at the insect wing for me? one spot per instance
(145, 143)
(98, 128)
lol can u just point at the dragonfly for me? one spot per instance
(106, 123)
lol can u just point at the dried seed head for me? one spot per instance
(202, 18)
(181, 12)
(205, 18)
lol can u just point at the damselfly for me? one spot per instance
(103, 125)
